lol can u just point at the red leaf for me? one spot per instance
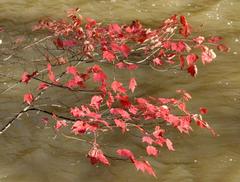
(192, 70)
(214, 39)
(203, 110)
(110, 100)
(58, 43)
(51, 74)
(26, 77)
(178, 47)
(120, 123)
(69, 43)
(60, 124)
(108, 56)
(144, 166)
(118, 111)
(186, 29)
(90, 23)
(115, 28)
(72, 70)
(151, 150)
(117, 87)
(115, 47)
(125, 50)
(79, 127)
(42, 86)
(169, 145)
(96, 101)
(223, 48)
(147, 139)
(121, 65)
(99, 77)
(182, 61)
(132, 67)
(191, 59)
(132, 84)
(183, 20)
(201, 123)
(28, 98)
(96, 156)
(126, 153)
(182, 107)
(132, 109)
(95, 69)
(158, 132)
(124, 100)
(76, 112)
(157, 61)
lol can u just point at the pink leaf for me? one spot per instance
(120, 123)
(191, 59)
(132, 67)
(132, 84)
(208, 55)
(144, 166)
(169, 145)
(26, 77)
(60, 124)
(51, 74)
(151, 150)
(108, 56)
(96, 101)
(117, 87)
(147, 140)
(125, 50)
(72, 70)
(96, 156)
(157, 62)
(132, 109)
(42, 86)
(121, 65)
(178, 47)
(199, 39)
(115, 28)
(110, 100)
(126, 153)
(99, 77)
(118, 111)
(28, 98)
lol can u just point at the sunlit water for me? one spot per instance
(30, 153)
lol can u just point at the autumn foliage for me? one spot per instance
(113, 105)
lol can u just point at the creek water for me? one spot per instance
(30, 152)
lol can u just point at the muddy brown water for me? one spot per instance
(31, 153)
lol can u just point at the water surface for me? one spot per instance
(30, 153)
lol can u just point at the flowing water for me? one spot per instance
(29, 153)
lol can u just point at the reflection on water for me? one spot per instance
(30, 153)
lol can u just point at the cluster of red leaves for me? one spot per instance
(114, 107)
(117, 43)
